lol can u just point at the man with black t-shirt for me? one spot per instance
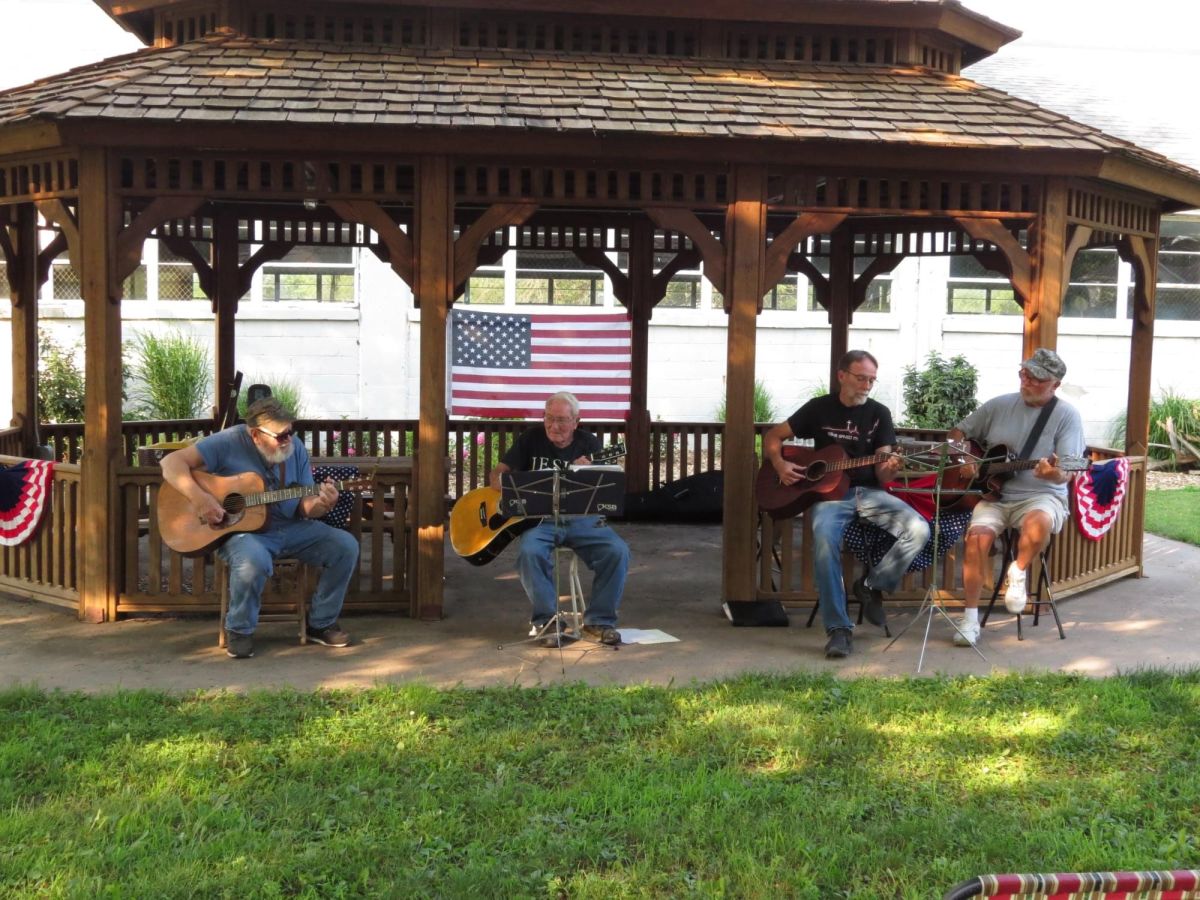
(862, 427)
(557, 444)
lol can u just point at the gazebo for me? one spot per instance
(752, 139)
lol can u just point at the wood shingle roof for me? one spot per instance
(233, 79)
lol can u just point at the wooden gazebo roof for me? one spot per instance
(233, 81)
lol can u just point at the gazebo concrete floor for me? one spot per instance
(673, 586)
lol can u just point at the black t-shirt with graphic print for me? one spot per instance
(859, 430)
(533, 451)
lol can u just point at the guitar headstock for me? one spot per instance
(356, 484)
(1074, 463)
(609, 453)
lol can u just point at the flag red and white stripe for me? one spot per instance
(505, 365)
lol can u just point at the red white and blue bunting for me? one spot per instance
(1097, 495)
(24, 492)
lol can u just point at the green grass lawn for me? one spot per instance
(805, 786)
(1174, 514)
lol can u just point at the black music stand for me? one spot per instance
(941, 461)
(557, 494)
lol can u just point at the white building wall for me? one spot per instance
(363, 359)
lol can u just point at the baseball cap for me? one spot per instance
(1045, 364)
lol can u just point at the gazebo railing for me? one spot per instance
(473, 446)
(10, 442)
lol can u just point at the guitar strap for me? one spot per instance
(1038, 426)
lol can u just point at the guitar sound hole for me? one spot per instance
(235, 510)
(815, 470)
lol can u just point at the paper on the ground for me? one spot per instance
(645, 636)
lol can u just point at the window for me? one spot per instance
(879, 292)
(557, 278)
(177, 278)
(1178, 291)
(5, 288)
(974, 290)
(1092, 292)
(324, 274)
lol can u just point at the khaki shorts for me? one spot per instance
(1002, 514)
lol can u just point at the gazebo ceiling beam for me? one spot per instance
(133, 236)
(466, 247)
(1020, 267)
(687, 222)
(396, 243)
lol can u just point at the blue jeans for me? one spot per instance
(601, 550)
(251, 556)
(829, 521)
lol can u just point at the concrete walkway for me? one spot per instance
(673, 586)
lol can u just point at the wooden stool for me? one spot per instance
(284, 597)
(1042, 584)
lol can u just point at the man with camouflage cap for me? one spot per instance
(1034, 501)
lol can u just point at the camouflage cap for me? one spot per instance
(1045, 364)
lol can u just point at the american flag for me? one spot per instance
(505, 365)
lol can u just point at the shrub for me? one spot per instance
(941, 394)
(171, 376)
(1184, 413)
(764, 407)
(284, 390)
(60, 381)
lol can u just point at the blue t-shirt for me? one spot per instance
(232, 452)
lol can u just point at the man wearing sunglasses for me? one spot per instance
(863, 428)
(1034, 501)
(265, 445)
(557, 443)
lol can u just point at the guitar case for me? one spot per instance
(695, 499)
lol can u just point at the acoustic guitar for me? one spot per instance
(479, 531)
(245, 504)
(825, 478)
(997, 467)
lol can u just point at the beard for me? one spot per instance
(276, 456)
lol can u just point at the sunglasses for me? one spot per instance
(284, 435)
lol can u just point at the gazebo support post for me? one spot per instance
(1048, 255)
(746, 244)
(227, 292)
(433, 291)
(99, 220)
(640, 305)
(24, 283)
(841, 297)
(1141, 254)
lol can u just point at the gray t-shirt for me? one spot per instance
(1008, 420)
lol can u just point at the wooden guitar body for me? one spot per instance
(184, 532)
(479, 531)
(822, 481)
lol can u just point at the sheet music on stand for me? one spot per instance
(936, 459)
(579, 491)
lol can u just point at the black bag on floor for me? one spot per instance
(697, 498)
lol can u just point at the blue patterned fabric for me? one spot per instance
(339, 516)
(869, 544)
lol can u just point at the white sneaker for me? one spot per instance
(1015, 594)
(967, 634)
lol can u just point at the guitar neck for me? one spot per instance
(1015, 465)
(856, 463)
(294, 492)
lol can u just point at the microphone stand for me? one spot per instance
(932, 601)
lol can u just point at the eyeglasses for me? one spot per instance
(284, 435)
(560, 420)
(861, 379)
(1024, 373)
